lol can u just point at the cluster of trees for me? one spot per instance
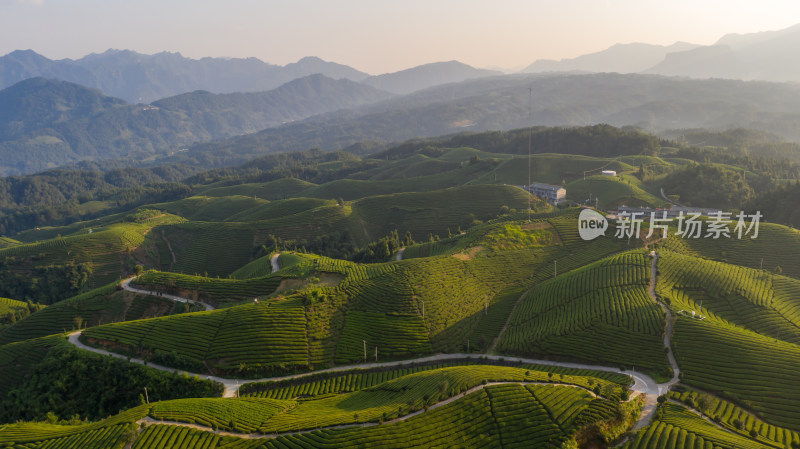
(341, 245)
(18, 313)
(742, 142)
(56, 197)
(707, 185)
(69, 382)
(781, 205)
(44, 285)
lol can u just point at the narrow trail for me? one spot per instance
(664, 196)
(497, 339)
(147, 421)
(169, 247)
(274, 262)
(650, 404)
(399, 255)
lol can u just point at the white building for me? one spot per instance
(609, 173)
(552, 193)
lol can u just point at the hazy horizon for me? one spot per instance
(374, 37)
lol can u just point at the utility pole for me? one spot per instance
(376, 353)
(762, 264)
(555, 268)
(530, 138)
(365, 350)
(146, 397)
(468, 346)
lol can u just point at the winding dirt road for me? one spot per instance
(643, 384)
(126, 284)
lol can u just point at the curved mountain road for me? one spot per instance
(643, 384)
(126, 285)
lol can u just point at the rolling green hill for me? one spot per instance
(402, 308)
(776, 246)
(611, 192)
(529, 406)
(599, 313)
(92, 255)
(748, 333)
(99, 306)
(273, 190)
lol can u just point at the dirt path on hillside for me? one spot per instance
(399, 255)
(651, 403)
(274, 262)
(507, 323)
(126, 285)
(169, 247)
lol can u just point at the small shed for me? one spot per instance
(609, 173)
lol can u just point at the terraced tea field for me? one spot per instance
(102, 305)
(776, 246)
(105, 248)
(600, 313)
(736, 419)
(213, 290)
(680, 428)
(244, 341)
(754, 299)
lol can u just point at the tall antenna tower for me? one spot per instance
(530, 133)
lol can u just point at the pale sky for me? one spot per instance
(377, 36)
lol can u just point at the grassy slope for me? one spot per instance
(600, 313)
(105, 248)
(467, 296)
(98, 306)
(548, 168)
(777, 245)
(612, 192)
(273, 190)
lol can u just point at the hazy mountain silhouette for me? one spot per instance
(428, 75)
(46, 123)
(768, 55)
(137, 77)
(620, 58)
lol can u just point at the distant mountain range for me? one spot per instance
(620, 58)
(654, 103)
(45, 123)
(139, 78)
(767, 56)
